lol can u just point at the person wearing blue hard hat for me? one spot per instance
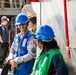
(23, 50)
(3, 39)
(21, 19)
(45, 33)
(49, 60)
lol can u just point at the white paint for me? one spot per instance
(52, 13)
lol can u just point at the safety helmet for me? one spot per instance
(45, 33)
(21, 19)
(4, 18)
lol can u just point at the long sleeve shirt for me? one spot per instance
(58, 66)
(31, 47)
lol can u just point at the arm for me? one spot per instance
(11, 57)
(1, 39)
(11, 53)
(13, 48)
(31, 47)
(1, 35)
(59, 65)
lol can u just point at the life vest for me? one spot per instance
(21, 49)
(42, 63)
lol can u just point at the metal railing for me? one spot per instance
(12, 3)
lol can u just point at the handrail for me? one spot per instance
(12, 4)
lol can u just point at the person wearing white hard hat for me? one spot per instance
(3, 39)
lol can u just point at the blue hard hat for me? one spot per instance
(21, 19)
(45, 33)
(5, 18)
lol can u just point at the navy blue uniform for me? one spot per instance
(4, 45)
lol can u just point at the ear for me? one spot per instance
(41, 44)
(27, 23)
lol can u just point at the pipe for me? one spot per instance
(66, 28)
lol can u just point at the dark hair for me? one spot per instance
(27, 23)
(50, 45)
(33, 19)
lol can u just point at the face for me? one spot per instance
(30, 25)
(39, 44)
(22, 28)
(4, 22)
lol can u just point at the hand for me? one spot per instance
(1, 41)
(6, 59)
(13, 63)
